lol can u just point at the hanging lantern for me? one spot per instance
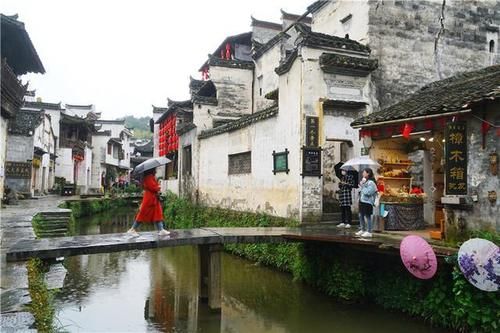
(407, 130)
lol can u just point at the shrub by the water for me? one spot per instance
(447, 300)
(41, 298)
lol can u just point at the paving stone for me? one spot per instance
(15, 300)
(17, 322)
(55, 276)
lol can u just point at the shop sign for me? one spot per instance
(456, 158)
(312, 131)
(280, 161)
(18, 169)
(311, 162)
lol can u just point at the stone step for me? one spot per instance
(60, 220)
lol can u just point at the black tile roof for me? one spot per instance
(184, 128)
(176, 106)
(159, 109)
(241, 123)
(338, 63)
(319, 40)
(186, 103)
(17, 48)
(343, 104)
(265, 24)
(454, 94)
(272, 95)
(294, 17)
(205, 100)
(81, 107)
(287, 63)
(230, 63)
(25, 121)
(243, 38)
(317, 6)
(270, 43)
(146, 148)
(43, 105)
(195, 85)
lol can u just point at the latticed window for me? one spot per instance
(240, 163)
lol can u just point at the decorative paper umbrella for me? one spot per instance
(418, 257)
(360, 161)
(479, 261)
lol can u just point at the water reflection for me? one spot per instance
(157, 291)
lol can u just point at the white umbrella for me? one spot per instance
(356, 162)
(150, 164)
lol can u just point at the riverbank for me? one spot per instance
(340, 271)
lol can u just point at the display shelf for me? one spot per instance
(392, 178)
(396, 163)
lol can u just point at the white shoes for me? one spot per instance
(341, 225)
(163, 232)
(366, 234)
(347, 226)
(359, 233)
(132, 232)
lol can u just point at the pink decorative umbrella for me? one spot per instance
(418, 257)
(479, 261)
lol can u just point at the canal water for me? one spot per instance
(157, 291)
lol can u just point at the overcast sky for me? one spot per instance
(124, 56)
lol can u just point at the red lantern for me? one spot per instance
(407, 130)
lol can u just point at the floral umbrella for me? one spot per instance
(479, 261)
(418, 257)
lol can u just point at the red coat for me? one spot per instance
(150, 210)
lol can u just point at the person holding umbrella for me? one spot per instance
(368, 194)
(150, 210)
(345, 198)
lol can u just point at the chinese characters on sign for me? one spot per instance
(18, 169)
(456, 159)
(311, 162)
(312, 131)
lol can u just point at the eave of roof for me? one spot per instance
(18, 48)
(265, 24)
(269, 45)
(456, 94)
(343, 104)
(340, 64)
(243, 122)
(159, 109)
(295, 17)
(286, 64)
(43, 105)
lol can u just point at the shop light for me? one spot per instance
(422, 139)
(431, 139)
(414, 133)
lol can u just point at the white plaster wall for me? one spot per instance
(260, 191)
(64, 164)
(264, 68)
(263, 35)
(3, 152)
(202, 116)
(327, 20)
(234, 88)
(99, 146)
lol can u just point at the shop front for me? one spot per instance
(438, 152)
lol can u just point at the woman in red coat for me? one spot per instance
(150, 210)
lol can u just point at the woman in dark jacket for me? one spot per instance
(345, 198)
(150, 210)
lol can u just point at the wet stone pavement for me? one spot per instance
(15, 224)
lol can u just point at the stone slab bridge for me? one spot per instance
(210, 243)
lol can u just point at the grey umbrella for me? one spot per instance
(150, 164)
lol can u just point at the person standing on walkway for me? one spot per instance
(150, 210)
(368, 194)
(345, 198)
